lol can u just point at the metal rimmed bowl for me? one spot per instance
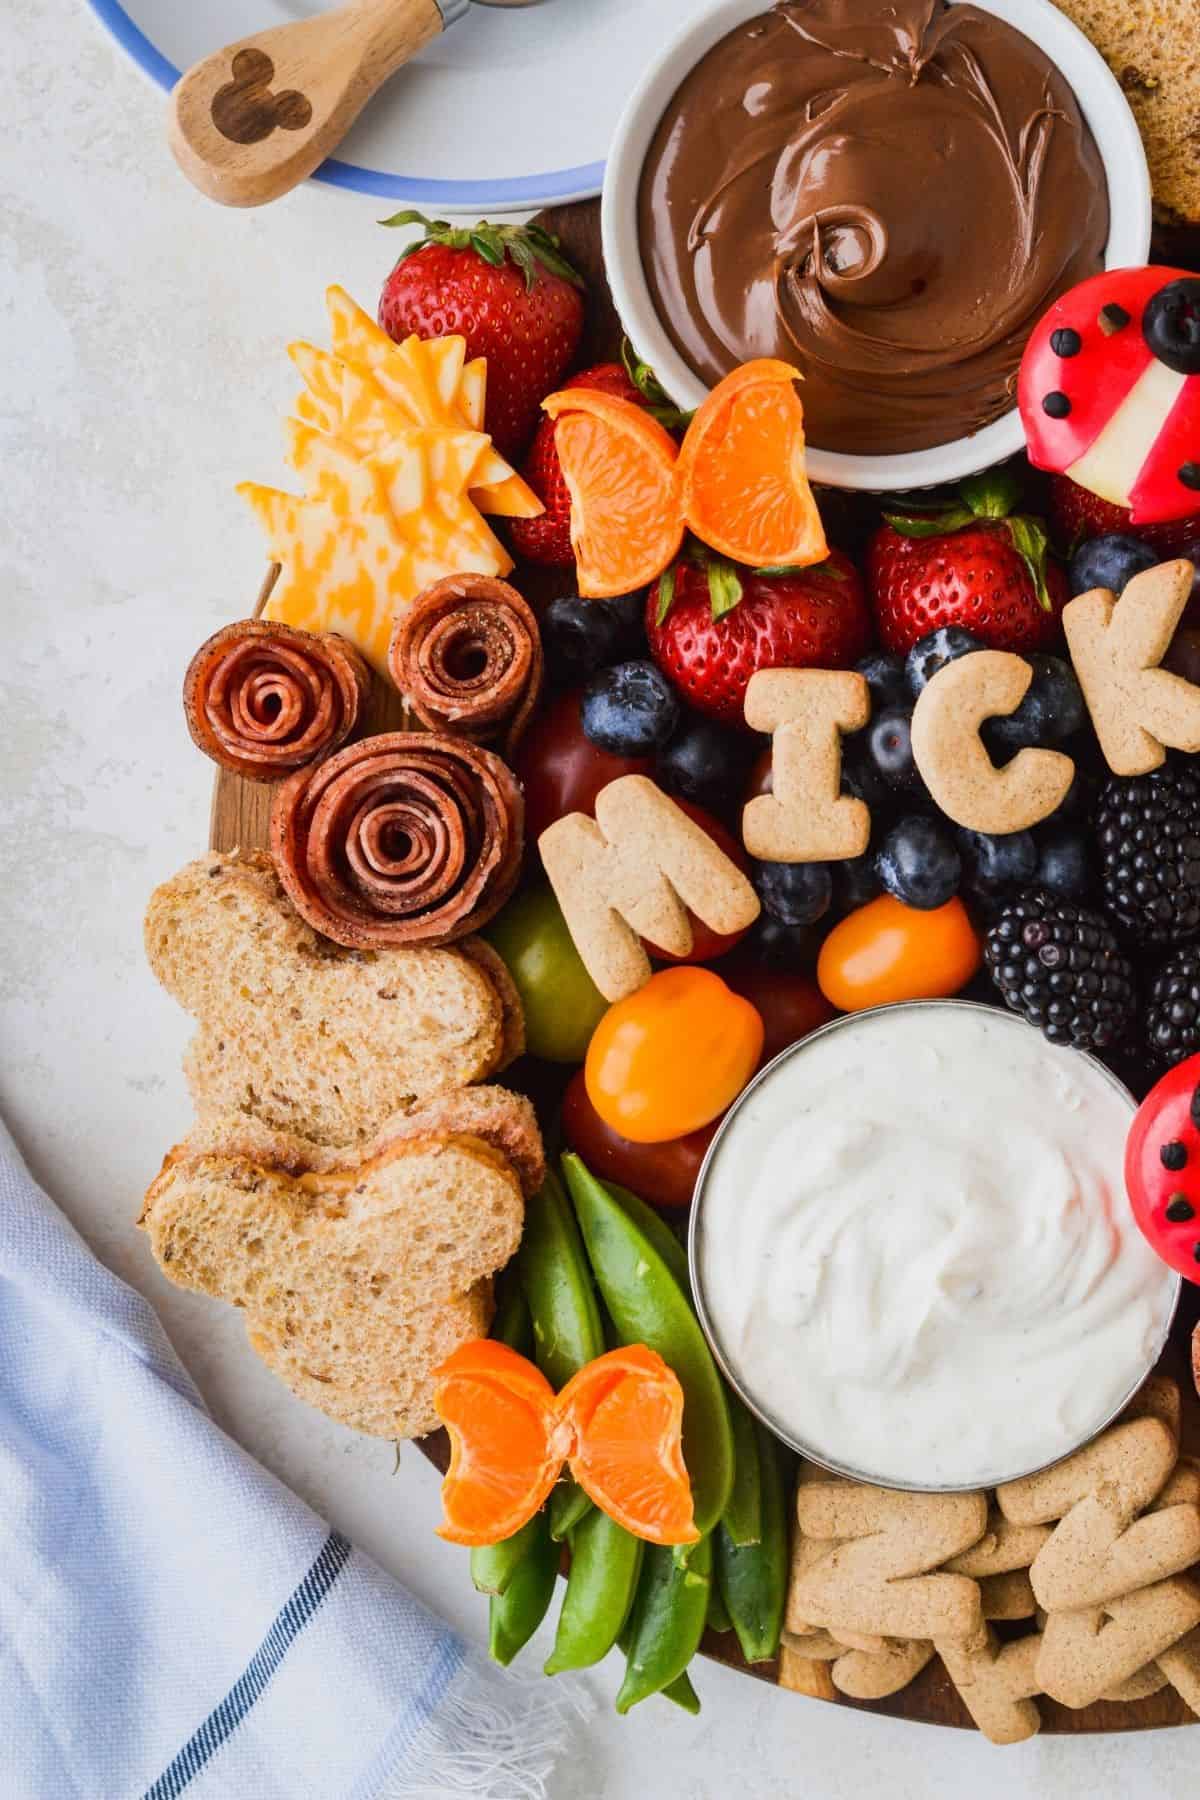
(743, 1384)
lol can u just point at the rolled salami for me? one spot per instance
(467, 656)
(264, 699)
(406, 838)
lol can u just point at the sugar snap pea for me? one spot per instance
(718, 1614)
(753, 1578)
(647, 1307)
(493, 1565)
(567, 1329)
(679, 1692)
(667, 1622)
(655, 1227)
(742, 1518)
(682, 1693)
(515, 1615)
(605, 1563)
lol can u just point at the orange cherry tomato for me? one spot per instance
(887, 952)
(671, 1057)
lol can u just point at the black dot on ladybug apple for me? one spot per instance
(1065, 342)
(1189, 474)
(1171, 325)
(1180, 1209)
(1194, 1109)
(1113, 318)
(1056, 405)
(1173, 1156)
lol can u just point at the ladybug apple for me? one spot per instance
(1109, 391)
(1162, 1168)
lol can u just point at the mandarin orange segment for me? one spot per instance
(626, 1413)
(745, 489)
(506, 1442)
(620, 467)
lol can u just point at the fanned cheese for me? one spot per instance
(395, 468)
(416, 375)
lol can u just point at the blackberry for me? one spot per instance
(1172, 1018)
(1148, 833)
(1060, 965)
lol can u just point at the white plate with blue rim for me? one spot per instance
(509, 110)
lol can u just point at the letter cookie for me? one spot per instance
(954, 762)
(806, 817)
(633, 872)
(1139, 709)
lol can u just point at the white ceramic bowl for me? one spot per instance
(1104, 107)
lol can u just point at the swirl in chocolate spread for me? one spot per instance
(887, 192)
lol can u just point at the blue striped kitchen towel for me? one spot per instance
(172, 1620)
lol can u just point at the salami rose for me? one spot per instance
(406, 838)
(264, 699)
(467, 656)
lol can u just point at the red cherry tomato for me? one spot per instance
(1162, 1168)
(707, 945)
(663, 1174)
(562, 770)
(789, 1003)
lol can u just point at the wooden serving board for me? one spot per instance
(239, 818)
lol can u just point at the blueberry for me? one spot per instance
(1052, 709)
(579, 637)
(888, 744)
(918, 863)
(991, 864)
(629, 611)
(934, 651)
(855, 882)
(1079, 801)
(785, 947)
(860, 778)
(793, 893)
(1064, 863)
(1171, 325)
(629, 710)
(1109, 562)
(886, 678)
(706, 763)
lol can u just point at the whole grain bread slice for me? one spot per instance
(358, 1273)
(304, 1035)
(375, 1381)
(1153, 49)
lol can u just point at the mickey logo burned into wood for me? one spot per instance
(246, 111)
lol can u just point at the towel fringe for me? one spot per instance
(495, 1736)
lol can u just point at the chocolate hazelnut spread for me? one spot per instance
(888, 193)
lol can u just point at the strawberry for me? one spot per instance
(970, 562)
(510, 293)
(711, 626)
(547, 539)
(1076, 514)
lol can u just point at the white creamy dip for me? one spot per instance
(915, 1251)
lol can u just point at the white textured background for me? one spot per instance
(141, 340)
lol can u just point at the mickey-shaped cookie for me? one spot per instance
(1109, 390)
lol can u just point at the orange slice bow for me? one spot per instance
(617, 1424)
(619, 467)
(745, 490)
(738, 482)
